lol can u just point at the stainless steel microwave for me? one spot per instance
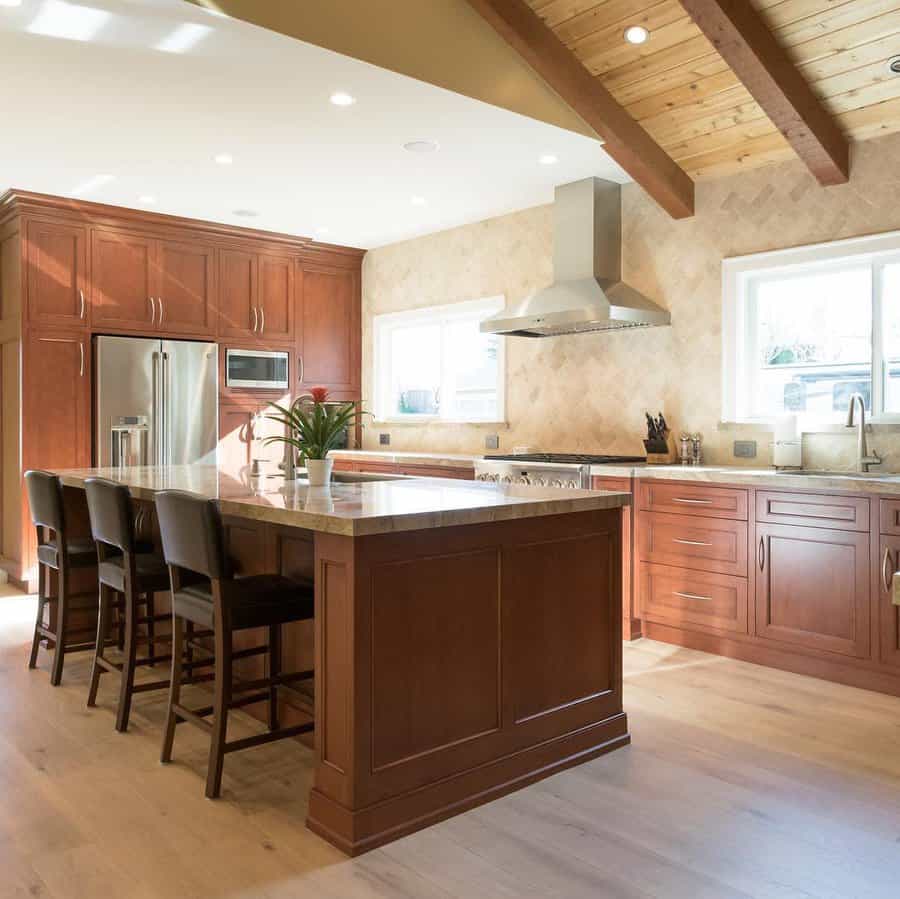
(256, 369)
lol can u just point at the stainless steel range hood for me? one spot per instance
(587, 293)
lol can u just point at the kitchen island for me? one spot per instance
(467, 636)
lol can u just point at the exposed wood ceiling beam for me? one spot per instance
(746, 44)
(625, 140)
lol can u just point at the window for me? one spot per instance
(435, 364)
(805, 329)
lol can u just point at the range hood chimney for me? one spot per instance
(587, 293)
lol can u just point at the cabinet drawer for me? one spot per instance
(707, 544)
(438, 471)
(813, 510)
(890, 516)
(620, 485)
(685, 598)
(690, 499)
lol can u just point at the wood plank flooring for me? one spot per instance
(741, 782)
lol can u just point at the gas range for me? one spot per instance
(571, 470)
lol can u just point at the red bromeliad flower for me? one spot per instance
(319, 394)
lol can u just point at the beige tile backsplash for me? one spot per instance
(589, 392)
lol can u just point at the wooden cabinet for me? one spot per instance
(142, 284)
(242, 429)
(185, 288)
(276, 297)
(57, 279)
(888, 613)
(631, 624)
(57, 395)
(812, 588)
(328, 327)
(693, 499)
(122, 281)
(707, 544)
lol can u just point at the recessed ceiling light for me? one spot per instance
(418, 201)
(246, 213)
(223, 158)
(146, 199)
(636, 34)
(894, 64)
(342, 98)
(548, 159)
(68, 20)
(183, 38)
(422, 146)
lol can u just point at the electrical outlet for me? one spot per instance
(384, 439)
(745, 449)
(492, 441)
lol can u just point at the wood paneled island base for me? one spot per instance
(459, 664)
(467, 636)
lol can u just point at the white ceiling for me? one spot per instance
(112, 118)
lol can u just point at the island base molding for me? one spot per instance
(358, 832)
(457, 664)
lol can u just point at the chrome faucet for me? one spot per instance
(289, 462)
(863, 459)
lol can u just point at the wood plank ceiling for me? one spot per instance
(684, 94)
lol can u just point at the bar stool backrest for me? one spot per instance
(109, 507)
(45, 497)
(192, 534)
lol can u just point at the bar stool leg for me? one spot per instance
(130, 650)
(151, 627)
(274, 671)
(103, 620)
(220, 711)
(39, 621)
(62, 621)
(174, 687)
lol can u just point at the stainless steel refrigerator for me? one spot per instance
(155, 401)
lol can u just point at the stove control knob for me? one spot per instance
(523, 479)
(572, 485)
(507, 479)
(539, 482)
(556, 483)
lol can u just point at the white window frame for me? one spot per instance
(384, 324)
(741, 273)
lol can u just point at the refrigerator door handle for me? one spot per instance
(166, 417)
(154, 405)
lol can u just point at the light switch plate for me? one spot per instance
(745, 449)
(384, 439)
(492, 441)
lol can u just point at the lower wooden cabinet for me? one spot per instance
(888, 613)
(680, 596)
(243, 429)
(812, 588)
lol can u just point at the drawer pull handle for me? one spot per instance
(761, 553)
(692, 596)
(690, 542)
(693, 502)
(885, 570)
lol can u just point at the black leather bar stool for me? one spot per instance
(129, 573)
(58, 551)
(194, 544)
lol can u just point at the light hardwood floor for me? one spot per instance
(741, 781)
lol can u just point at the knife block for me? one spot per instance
(667, 458)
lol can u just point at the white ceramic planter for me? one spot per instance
(318, 471)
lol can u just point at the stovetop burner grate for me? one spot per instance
(565, 458)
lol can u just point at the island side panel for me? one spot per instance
(457, 664)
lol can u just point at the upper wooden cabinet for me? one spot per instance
(139, 283)
(328, 327)
(257, 296)
(57, 281)
(276, 297)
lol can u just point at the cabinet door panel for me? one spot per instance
(276, 297)
(57, 274)
(329, 329)
(186, 288)
(57, 401)
(812, 588)
(238, 313)
(889, 563)
(122, 282)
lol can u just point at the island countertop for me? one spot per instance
(354, 509)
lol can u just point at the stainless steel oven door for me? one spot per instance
(256, 369)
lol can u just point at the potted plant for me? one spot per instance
(314, 427)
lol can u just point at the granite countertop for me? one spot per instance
(450, 460)
(354, 509)
(886, 483)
